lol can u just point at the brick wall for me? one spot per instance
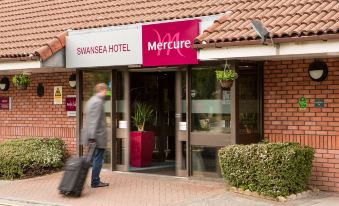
(284, 83)
(34, 116)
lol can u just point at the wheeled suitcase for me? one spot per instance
(75, 173)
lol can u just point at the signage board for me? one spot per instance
(57, 95)
(71, 105)
(104, 48)
(170, 43)
(4, 103)
(319, 103)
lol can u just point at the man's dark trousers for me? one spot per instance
(98, 158)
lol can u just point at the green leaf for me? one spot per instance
(273, 169)
(228, 74)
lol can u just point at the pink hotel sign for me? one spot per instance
(169, 43)
(162, 44)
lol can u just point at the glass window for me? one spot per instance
(248, 104)
(211, 105)
(204, 161)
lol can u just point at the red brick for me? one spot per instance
(333, 179)
(322, 160)
(35, 116)
(328, 156)
(336, 152)
(330, 184)
(328, 174)
(322, 169)
(317, 127)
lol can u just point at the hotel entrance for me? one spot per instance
(191, 117)
(156, 91)
(163, 92)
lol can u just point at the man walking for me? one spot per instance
(95, 131)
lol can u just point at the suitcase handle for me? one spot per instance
(91, 150)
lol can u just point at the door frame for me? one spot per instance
(215, 140)
(121, 133)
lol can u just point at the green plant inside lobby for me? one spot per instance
(142, 114)
(21, 81)
(30, 157)
(271, 169)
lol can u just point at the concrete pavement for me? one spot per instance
(129, 189)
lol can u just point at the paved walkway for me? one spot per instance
(129, 189)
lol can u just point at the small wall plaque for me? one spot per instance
(182, 126)
(302, 101)
(71, 105)
(4, 103)
(122, 124)
(319, 103)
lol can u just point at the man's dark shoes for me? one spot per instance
(101, 184)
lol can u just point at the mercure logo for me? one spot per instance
(168, 43)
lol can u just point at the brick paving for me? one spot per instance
(125, 189)
(129, 189)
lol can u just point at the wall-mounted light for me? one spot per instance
(72, 81)
(317, 70)
(193, 93)
(40, 90)
(4, 84)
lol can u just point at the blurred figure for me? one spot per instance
(95, 131)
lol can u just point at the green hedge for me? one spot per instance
(29, 157)
(273, 169)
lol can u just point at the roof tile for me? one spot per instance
(34, 26)
(31, 27)
(283, 19)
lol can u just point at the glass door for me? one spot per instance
(89, 80)
(211, 119)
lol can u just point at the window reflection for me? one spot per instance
(204, 161)
(211, 105)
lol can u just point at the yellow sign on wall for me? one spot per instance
(57, 95)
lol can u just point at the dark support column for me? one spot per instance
(161, 126)
(79, 116)
(234, 110)
(114, 118)
(261, 99)
(189, 119)
(127, 116)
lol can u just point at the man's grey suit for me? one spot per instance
(95, 122)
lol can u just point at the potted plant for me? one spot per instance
(226, 77)
(141, 142)
(142, 114)
(21, 80)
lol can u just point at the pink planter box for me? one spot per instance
(141, 147)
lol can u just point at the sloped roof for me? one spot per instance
(282, 18)
(38, 27)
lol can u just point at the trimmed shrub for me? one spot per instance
(273, 169)
(29, 157)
